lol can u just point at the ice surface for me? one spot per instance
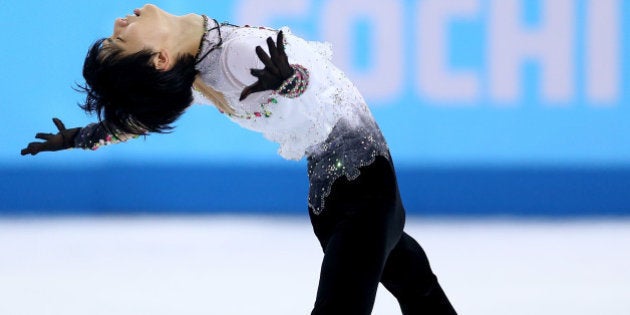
(267, 265)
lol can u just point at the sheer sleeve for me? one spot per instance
(95, 135)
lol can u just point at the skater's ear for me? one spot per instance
(162, 60)
(137, 93)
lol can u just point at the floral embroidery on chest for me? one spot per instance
(264, 112)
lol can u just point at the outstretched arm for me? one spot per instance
(89, 137)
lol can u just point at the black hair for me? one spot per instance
(130, 94)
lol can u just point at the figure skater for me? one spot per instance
(155, 65)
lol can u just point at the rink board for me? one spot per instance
(552, 192)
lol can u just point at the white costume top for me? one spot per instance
(330, 122)
(295, 124)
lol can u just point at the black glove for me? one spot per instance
(277, 68)
(64, 139)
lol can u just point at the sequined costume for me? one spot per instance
(330, 122)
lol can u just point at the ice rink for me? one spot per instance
(268, 265)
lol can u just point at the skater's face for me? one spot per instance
(148, 28)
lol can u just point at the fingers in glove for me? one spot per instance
(258, 72)
(44, 136)
(25, 151)
(279, 56)
(273, 51)
(282, 60)
(280, 41)
(59, 124)
(33, 148)
(256, 87)
(266, 60)
(280, 45)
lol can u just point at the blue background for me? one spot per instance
(472, 157)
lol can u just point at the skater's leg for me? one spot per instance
(409, 278)
(358, 229)
(351, 269)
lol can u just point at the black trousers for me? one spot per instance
(361, 233)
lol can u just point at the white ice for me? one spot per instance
(266, 265)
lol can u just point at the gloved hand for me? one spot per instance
(64, 139)
(277, 68)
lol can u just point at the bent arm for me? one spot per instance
(251, 68)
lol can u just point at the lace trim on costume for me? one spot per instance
(346, 150)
